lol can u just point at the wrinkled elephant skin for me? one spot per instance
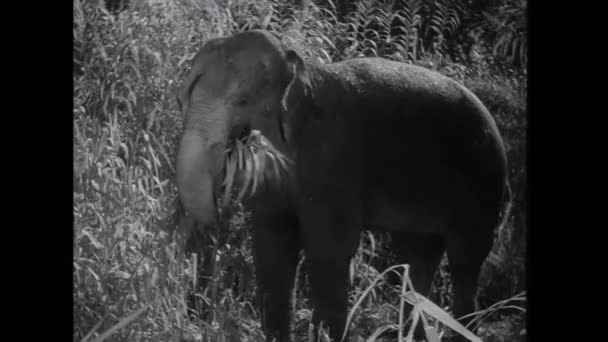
(375, 144)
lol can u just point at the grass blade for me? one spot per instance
(261, 153)
(432, 309)
(229, 179)
(240, 149)
(123, 323)
(415, 315)
(88, 336)
(364, 294)
(380, 331)
(255, 170)
(404, 283)
(430, 331)
(247, 179)
(194, 262)
(275, 165)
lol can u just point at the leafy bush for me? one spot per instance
(137, 259)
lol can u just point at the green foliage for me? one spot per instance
(505, 28)
(132, 270)
(506, 100)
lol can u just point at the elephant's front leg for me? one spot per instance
(330, 237)
(329, 294)
(276, 248)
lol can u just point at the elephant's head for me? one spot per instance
(236, 84)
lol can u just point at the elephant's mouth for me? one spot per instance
(250, 161)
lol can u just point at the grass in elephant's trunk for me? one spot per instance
(248, 164)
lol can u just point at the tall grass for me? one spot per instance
(134, 271)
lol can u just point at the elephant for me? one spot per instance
(375, 145)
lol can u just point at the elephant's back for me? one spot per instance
(425, 135)
(399, 92)
(371, 77)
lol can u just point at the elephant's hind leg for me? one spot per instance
(276, 249)
(329, 294)
(467, 250)
(422, 251)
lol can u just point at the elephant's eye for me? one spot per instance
(242, 101)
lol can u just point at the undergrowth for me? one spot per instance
(137, 259)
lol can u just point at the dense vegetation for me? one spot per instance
(133, 271)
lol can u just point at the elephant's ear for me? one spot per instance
(297, 89)
(179, 100)
(182, 93)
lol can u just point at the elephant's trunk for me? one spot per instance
(199, 165)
